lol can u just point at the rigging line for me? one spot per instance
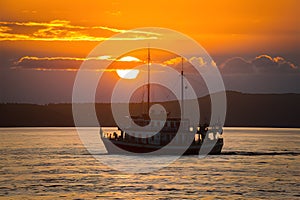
(143, 96)
(182, 94)
(148, 62)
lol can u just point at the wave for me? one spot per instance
(230, 153)
(251, 153)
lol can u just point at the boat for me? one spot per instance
(160, 136)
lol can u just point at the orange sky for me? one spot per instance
(243, 37)
(220, 26)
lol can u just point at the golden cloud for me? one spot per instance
(63, 30)
(197, 61)
(173, 61)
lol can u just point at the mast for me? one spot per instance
(182, 95)
(148, 96)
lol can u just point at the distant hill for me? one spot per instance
(243, 110)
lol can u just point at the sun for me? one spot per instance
(127, 73)
(129, 59)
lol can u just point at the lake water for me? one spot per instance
(52, 163)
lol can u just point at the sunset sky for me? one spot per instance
(255, 44)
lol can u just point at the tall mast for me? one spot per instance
(148, 62)
(182, 95)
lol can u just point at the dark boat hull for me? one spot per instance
(123, 147)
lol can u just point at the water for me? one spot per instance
(52, 163)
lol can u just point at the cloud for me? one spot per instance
(173, 61)
(48, 63)
(236, 65)
(262, 74)
(125, 31)
(63, 30)
(73, 63)
(193, 65)
(196, 61)
(262, 64)
(265, 63)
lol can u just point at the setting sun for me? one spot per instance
(129, 59)
(127, 73)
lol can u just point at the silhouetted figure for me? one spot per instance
(115, 135)
(203, 130)
(122, 135)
